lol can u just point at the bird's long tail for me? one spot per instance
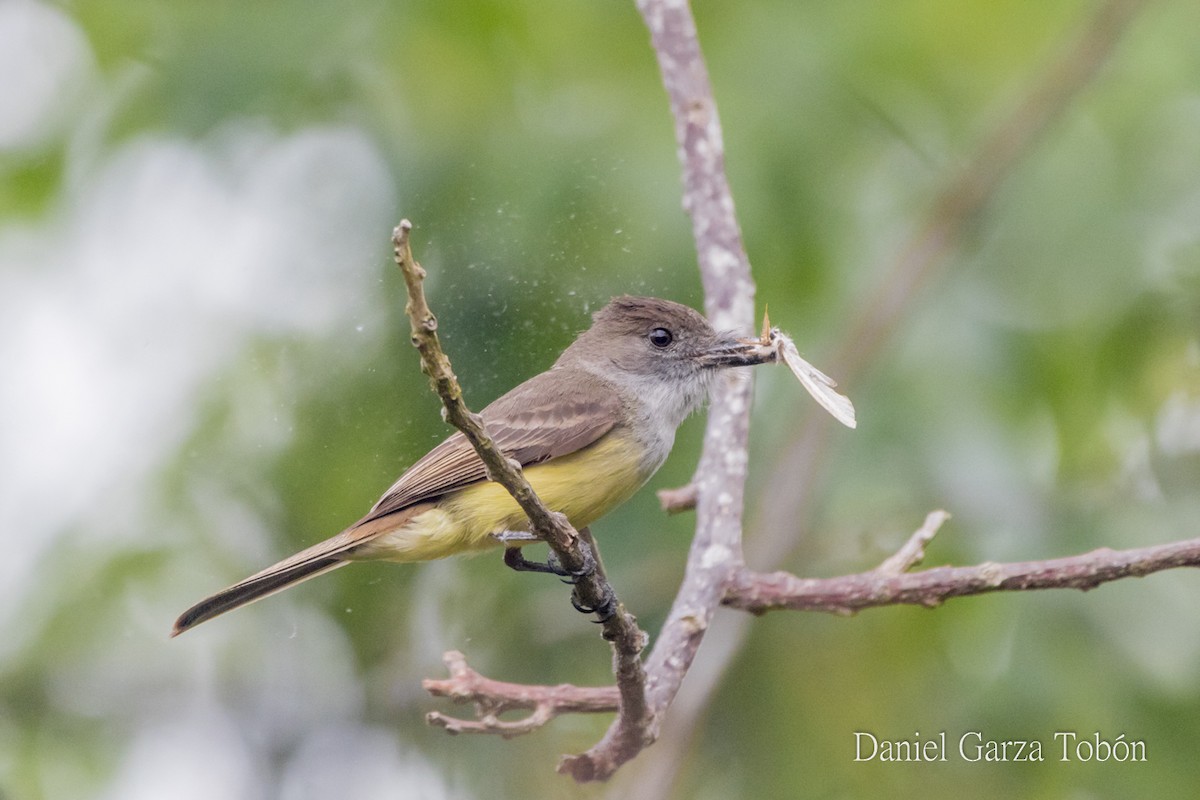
(251, 589)
(306, 564)
(256, 587)
(322, 557)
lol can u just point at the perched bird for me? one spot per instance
(589, 432)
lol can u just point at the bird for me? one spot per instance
(589, 432)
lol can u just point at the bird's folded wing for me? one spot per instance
(550, 415)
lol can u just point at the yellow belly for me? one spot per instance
(584, 485)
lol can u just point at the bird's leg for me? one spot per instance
(515, 559)
(507, 538)
(513, 556)
(513, 541)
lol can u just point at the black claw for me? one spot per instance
(572, 577)
(605, 610)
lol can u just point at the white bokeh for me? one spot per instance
(116, 311)
(359, 762)
(46, 66)
(194, 757)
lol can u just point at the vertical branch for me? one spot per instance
(724, 266)
(729, 302)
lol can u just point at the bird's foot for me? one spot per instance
(513, 541)
(515, 559)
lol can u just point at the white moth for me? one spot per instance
(818, 384)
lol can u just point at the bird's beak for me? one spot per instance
(775, 345)
(731, 352)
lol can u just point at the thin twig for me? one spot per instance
(550, 525)
(591, 588)
(677, 500)
(913, 550)
(492, 698)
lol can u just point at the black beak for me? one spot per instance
(728, 351)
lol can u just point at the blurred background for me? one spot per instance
(206, 368)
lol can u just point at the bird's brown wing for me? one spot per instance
(552, 414)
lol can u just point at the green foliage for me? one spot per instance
(218, 374)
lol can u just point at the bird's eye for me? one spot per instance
(661, 337)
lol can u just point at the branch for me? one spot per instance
(493, 698)
(591, 588)
(729, 304)
(913, 551)
(761, 592)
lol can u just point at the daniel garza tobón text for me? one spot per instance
(974, 746)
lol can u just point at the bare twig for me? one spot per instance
(550, 525)
(913, 551)
(758, 593)
(493, 698)
(761, 592)
(677, 500)
(591, 588)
